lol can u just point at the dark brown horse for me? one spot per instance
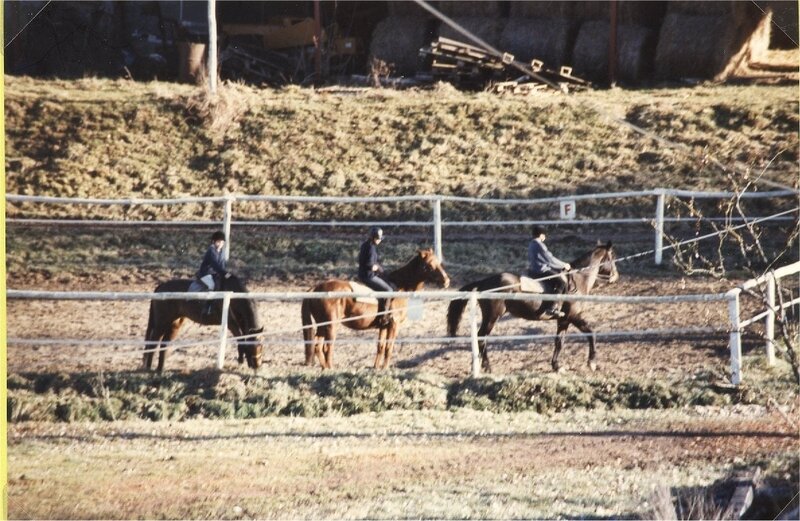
(167, 317)
(328, 313)
(598, 263)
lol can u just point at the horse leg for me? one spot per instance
(381, 349)
(319, 345)
(561, 330)
(170, 336)
(486, 327)
(391, 334)
(584, 327)
(330, 338)
(153, 343)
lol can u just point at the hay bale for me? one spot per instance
(628, 12)
(635, 49)
(648, 14)
(785, 17)
(461, 8)
(487, 29)
(705, 8)
(590, 55)
(406, 8)
(696, 46)
(635, 45)
(547, 10)
(546, 40)
(397, 40)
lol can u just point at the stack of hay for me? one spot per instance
(710, 40)
(636, 41)
(398, 38)
(479, 18)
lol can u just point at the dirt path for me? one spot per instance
(458, 464)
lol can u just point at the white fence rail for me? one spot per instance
(472, 298)
(737, 324)
(437, 222)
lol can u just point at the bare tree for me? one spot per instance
(743, 243)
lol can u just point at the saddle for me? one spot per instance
(357, 287)
(529, 285)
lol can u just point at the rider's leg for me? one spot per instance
(378, 284)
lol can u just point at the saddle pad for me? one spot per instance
(529, 285)
(357, 287)
(197, 286)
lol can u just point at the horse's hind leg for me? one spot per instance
(150, 347)
(381, 348)
(391, 334)
(490, 317)
(561, 330)
(318, 346)
(171, 335)
(330, 338)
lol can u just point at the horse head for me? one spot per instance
(608, 262)
(251, 348)
(432, 268)
(245, 315)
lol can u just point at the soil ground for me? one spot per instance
(460, 464)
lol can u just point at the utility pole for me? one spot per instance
(212, 47)
(612, 43)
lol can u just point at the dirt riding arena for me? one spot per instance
(671, 353)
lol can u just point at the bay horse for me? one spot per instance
(167, 316)
(598, 263)
(321, 316)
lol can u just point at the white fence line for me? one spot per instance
(472, 296)
(437, 221)
(732, 297)
(737, 324)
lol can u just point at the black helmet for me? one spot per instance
(537, 230)
(375, 233)
(217, 236)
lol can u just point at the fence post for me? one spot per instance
(735, 336)
(473, 333)
(659, 225)
(223, 334)
(437, 228)
(769, 326)
(226, 225)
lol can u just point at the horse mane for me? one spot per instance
(399, 276)
(247, 305)
(586, 259)
(235, 284)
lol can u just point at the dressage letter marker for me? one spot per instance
(568, 210)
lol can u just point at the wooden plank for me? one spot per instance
(742, 496)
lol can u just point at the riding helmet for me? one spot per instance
(537, 230)
(217, 236)
(375, 233)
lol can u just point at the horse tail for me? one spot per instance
(308, 330)
(456, 309)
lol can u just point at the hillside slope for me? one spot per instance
(99, 138)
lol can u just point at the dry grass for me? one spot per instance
(105, 139)
(453, 465)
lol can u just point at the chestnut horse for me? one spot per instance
(328, 313)
(598, 263)
(167, 317)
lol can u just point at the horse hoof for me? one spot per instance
(593, 366)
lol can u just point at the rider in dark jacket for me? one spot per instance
(213, 266)
(370, 271)
(542, 263)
